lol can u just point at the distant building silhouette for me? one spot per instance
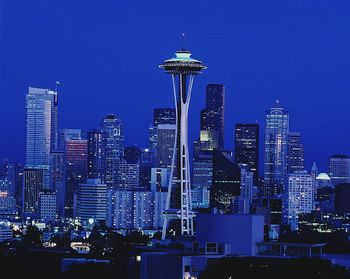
(339, 169)
(295, 153)
(96, 155)
(32, 185)
(247, 147)
(226, 182)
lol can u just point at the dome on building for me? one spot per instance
(323, 176)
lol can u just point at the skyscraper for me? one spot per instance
(165, 145)
(96, 155)
(160, 116)
(41, 124)
(128, 176)
(275, 149)
(182, 69)
(113, 128)
(75, 152)
(339, 169)
(164, 116)
(32, 184)
(147, 162)
(299, 196)
(246, 194)
(212, 117)
(9, 184)
(202, 178)
(295, 153)
(58, 179)
(226, 182)
(247, 147)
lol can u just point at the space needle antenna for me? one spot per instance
(183, 40)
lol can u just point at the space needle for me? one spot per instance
(178, 213)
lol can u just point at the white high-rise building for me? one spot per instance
(41, 124)
(300, 197)
(135, 210)
(143, 210)
(91, 201)
(120, 209)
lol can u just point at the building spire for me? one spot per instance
(183, 41)
(314, 168)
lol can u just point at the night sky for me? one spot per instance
(106, 55)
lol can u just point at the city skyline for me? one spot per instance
(199, 140)
(304, 80)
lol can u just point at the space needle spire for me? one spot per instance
(178, 211)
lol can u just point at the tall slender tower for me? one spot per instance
(276, 150)
(182, 68)
(42, 134)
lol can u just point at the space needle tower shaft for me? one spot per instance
(182, 69)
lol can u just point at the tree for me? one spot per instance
(32, 236)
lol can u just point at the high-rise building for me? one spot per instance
(299, 197)
(47, 205)
(75, 152)
(41, 124)
(147, 162)
(96, 154)
(323, 193)
(165, 145)
(58, 179)
(212, 117)
(91, 201)
(178, 213)
(143, 210)
(68, 134)
(159, 179)
(275, 150)
(128, 177)
(9, 181)
(132, 154)
(120, 209)
(339, 169)
(160, 116)
(226, 182)
(32, 185)
(247, 147)
(295, 153)
(202, 178)
(135, 209)
(208, 140)
(164, 116)
(245, 198)
(113, 129)
(7, 201)
(342, 197)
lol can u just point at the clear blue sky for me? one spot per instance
(106, 54)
